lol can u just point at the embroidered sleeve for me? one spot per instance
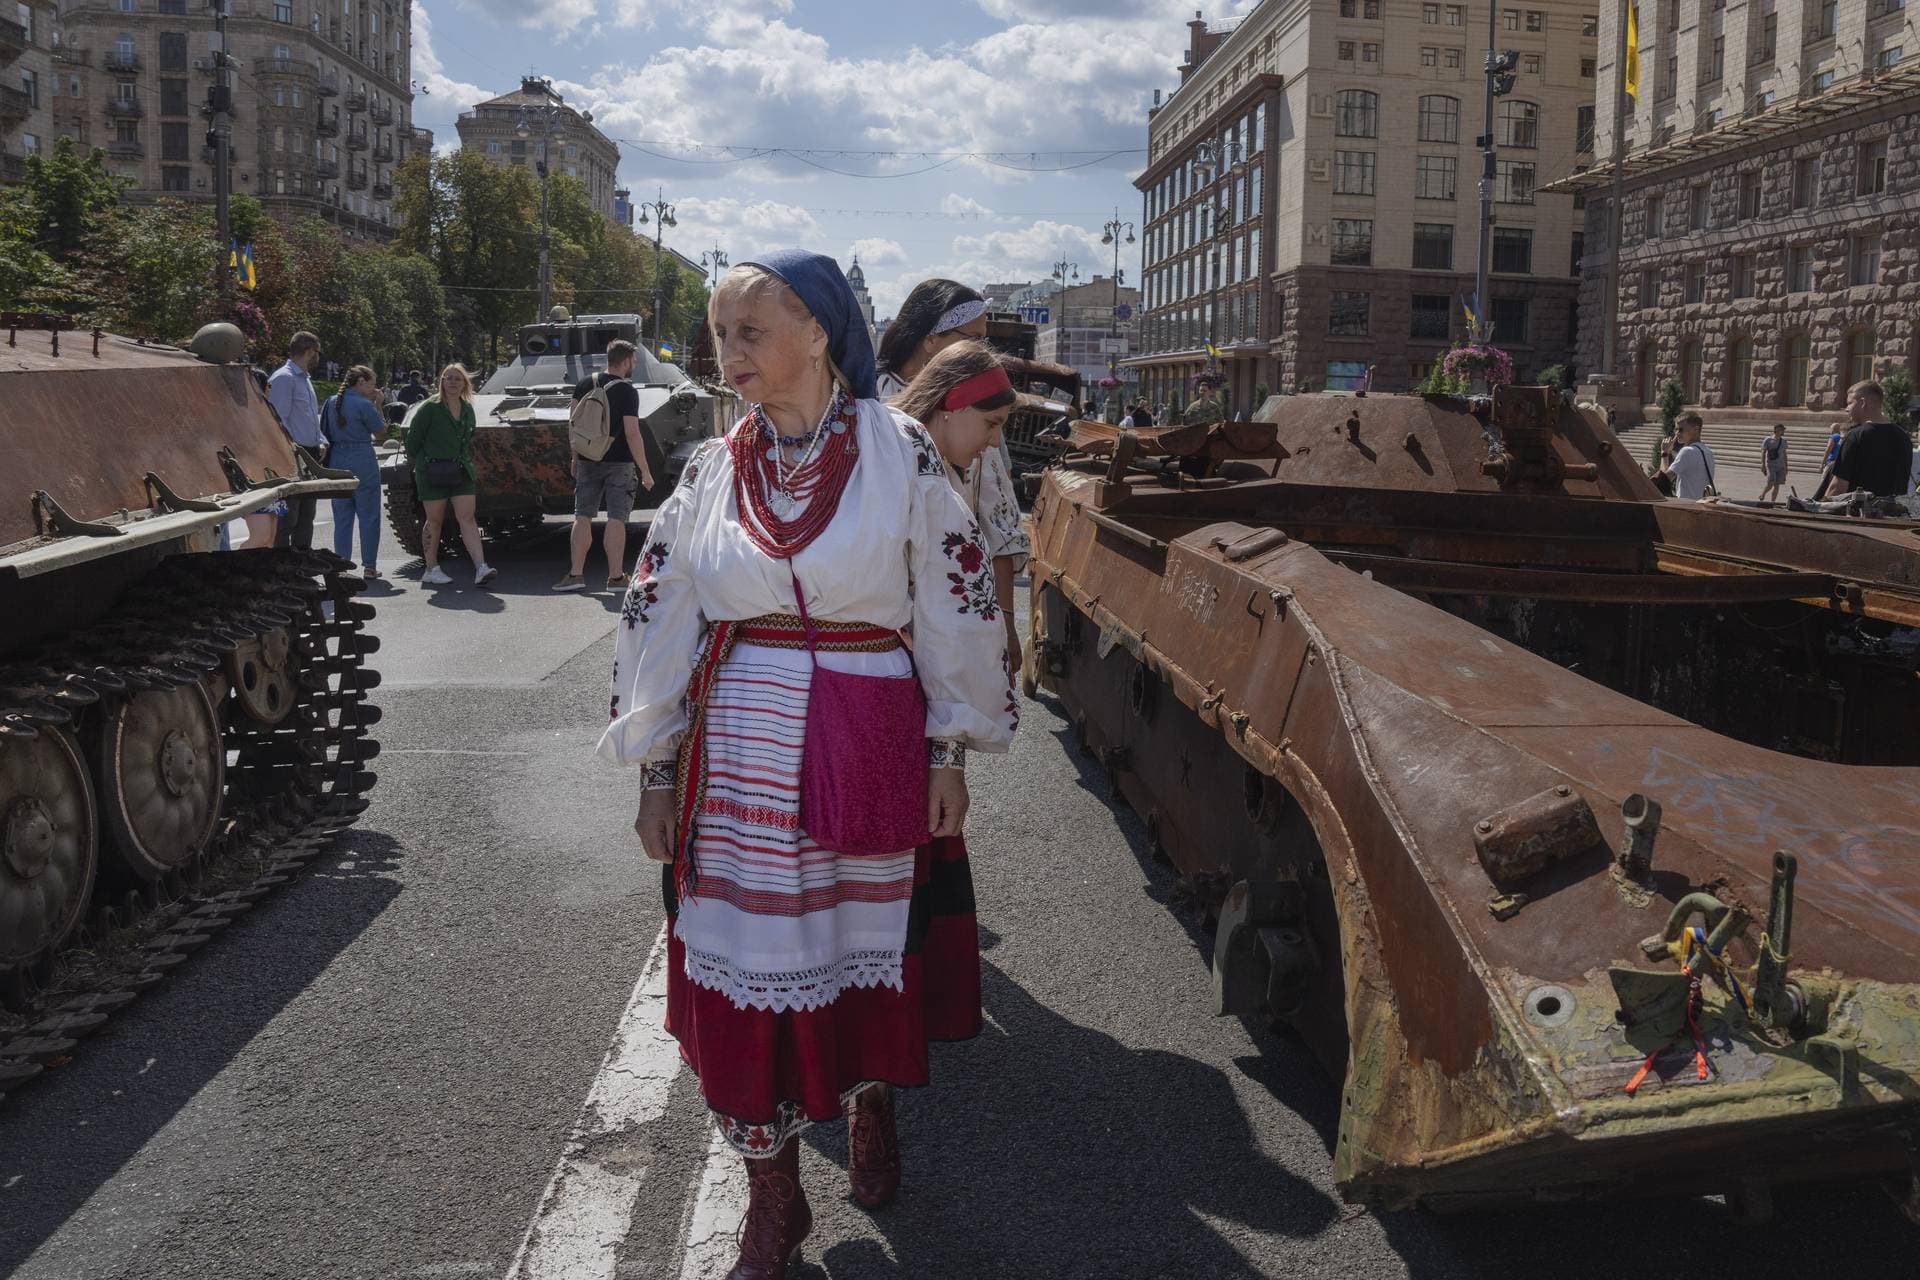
(946, 753)
(998, 511)
(658, 636)
(658, 775)
(959, 637)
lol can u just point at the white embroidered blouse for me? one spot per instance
(900, 549)
(987, 488)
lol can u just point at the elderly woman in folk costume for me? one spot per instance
(937, 314)
(793, 757)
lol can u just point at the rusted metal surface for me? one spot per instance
(1448, 803)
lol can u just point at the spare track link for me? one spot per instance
(291, 788)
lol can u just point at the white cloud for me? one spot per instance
(429, 72)
(955, 205)
(559, 17)
(876, 252)
(741, 227)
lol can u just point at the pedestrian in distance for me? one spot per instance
(440, 446)
(1859, 412)
(936, 314)
(1206, 407)
(290, 391)
(1876, 456)
(1141, 417)
(1773, 462)
(413, 391)
(1691, 470)
(351, 421)
(606, 417)
(766, 614)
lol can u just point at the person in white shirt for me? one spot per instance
(1692, 467)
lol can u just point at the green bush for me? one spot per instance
(1556, 375)
(1898, 386)
(1672, 399)
(1260, 394)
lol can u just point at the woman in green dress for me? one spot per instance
(442, 432)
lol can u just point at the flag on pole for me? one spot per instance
(240, 262)
(1213, 351)
(666, 351)
(1630, 73)
(1467, 302)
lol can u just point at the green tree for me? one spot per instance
(156, 270)
(1672, 399)
(479, 224)
(65, 199)
(1897, 384)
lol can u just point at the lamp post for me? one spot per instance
(1110, 234)
(549, 118)
(1213, 159)
(715, 262)
(1063, 271)
(662, 219)
(1499, 67)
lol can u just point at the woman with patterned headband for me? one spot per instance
(765, 617)
(937, 314)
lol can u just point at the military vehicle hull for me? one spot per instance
(169, 713)
(1351, 697)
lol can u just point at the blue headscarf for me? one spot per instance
(820, 284)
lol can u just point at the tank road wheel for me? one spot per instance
(260, 670)
(404, 514)
(49, 844)
(162, 767)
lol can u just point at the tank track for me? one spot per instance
(404, 514)
(290, 788)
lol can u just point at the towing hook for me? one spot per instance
(1777, 1002)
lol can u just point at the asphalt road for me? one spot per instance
(375, 1073)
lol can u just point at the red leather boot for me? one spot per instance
(778, 1217)
(873, 1147)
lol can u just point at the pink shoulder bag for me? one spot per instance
(863, 765)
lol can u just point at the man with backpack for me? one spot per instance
(609, 464)
(1691, 470)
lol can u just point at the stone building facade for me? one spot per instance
(28, 88)
(1770, 254)
(322, 99)
(1350, 189)
(574, 146)
(1082, 332)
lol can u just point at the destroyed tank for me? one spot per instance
(171, 714)
(1577, 830)
(522, 458)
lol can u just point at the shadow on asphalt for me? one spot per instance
(529, 566)
(73, 1130)
(1815, 1226)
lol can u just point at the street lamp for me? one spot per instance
(549, 117)
(1110, 234)
(662, 219)
(1213, 159)
(1063, 271)
(715, 262)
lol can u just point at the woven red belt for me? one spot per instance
(785, 631)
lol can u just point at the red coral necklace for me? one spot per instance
(816, 484)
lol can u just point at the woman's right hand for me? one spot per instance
(654, 826)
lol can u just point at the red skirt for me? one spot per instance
(767, 1075)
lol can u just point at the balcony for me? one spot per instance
(356, 100)
(356, 140)
(68, 55)
(125, 108)
(326, 128)
(286, 67)
(328, 87)
(14, 103)
(383, 113)
(126, 148)
(356, 179)
(383, 191)
(326, 168)
(119, 61)
(383, 152)
(13, 40)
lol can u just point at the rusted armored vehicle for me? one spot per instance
(521, 455)
(1049, 404)
(167, 708)
(1578, 830)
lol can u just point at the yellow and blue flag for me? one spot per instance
(666, 351)
(240, 262)
(1630, 73)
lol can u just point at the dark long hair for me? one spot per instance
(923, 308)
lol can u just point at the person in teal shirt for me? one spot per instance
(351, 421)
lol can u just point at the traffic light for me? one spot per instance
(1501, 69)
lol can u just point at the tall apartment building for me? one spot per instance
(26, 77)
(1311, 200)
(321, 95)
(555, 131)
(1083, 332)
(1770, 253)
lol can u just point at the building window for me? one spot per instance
(1873, 167)
(1793, 372)
(282, 10)
(1433, 246)
(1348, 8)
(1587, 68)
(1433, 177)
(173, 98)
(1590, 25)
(1825, 25)
(1519, 124)
(1510, 321)
(1695, 279)
(1649, 289)
(173, 179)
(1369, 52)
(1530, 64)
(1432, 315)
(1353, 242)
(1670, 83)
(1750, 194)
(1452, 58)
(1513, 182)
(1353, 173)
(1697, 207)
(1430, 14)
(1865, 259)
(1805, 182)
(1347, 314)
(1513, 250)
(1763, 49)
(1740, 372)
(1800, 268)
(1823, 80)
(173, 141)
(1656, 208)
(1741, 275)
(1717, 59)
(1456, 15)
(1690, 371)
(1536, 20)
(1346, 375)
(1510, 20)
(1861, 346)
(1583, 129)
(1343, 50)
(1429, 56)
(1578, 252)
(1439, 118)
(1357, 114)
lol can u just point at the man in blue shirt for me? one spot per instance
(290, 391)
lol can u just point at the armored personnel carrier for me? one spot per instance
(166, 708)
(1576, 829)
(521, 455)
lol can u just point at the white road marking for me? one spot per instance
(588, 1206)
(446, 751)
(713, 1224)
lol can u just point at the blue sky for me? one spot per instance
(677, 77)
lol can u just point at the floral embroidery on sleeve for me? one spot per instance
(644, 591)
(926, 455)
(973, 584)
